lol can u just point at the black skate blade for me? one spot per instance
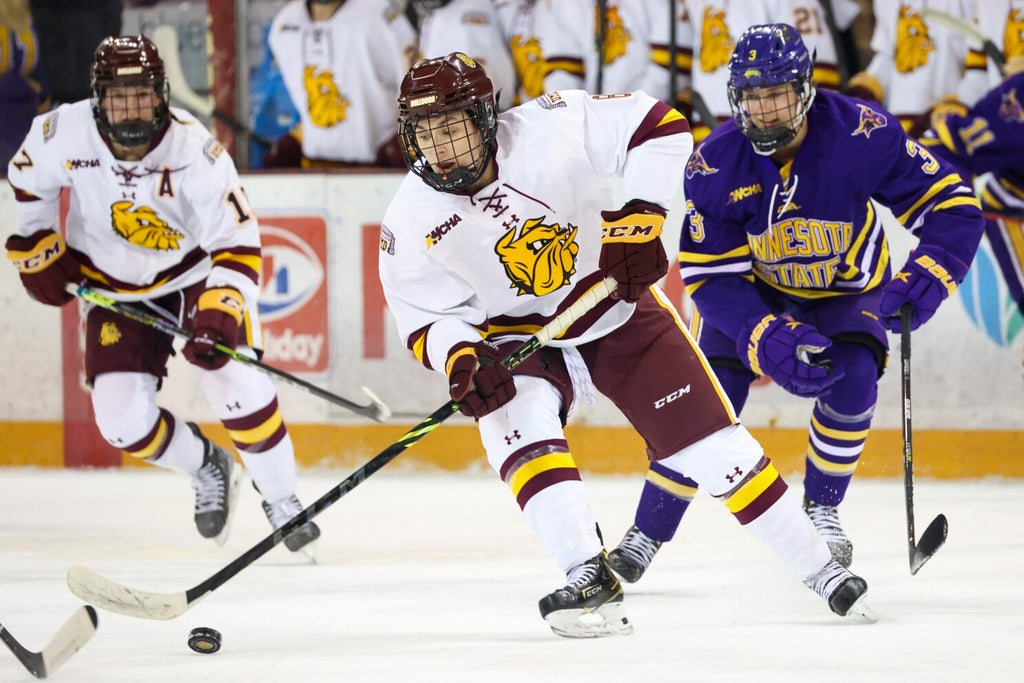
(931, 540)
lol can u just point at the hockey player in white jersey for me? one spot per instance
(157, 217)
(341, 61)
(471, 26)
(503, 223)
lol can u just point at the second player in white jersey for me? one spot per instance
(342, 74)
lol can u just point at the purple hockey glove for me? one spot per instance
(785, 351)
(477, 380)
(929, 276)
(631, 248)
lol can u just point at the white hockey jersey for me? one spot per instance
(343, 75)
(141, 228)
(917, 62)
(808, 17)
(1002, 22)
(512, 256)
(471, 27)
(517, 25)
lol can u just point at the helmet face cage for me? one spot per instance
(768, 56)
(125, 63)
(446, 113)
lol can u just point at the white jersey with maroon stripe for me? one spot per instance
(917, 62)
(343, 75)
(471, 27)
(522, 249)
(142, 228)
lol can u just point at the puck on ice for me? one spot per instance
(204, 640)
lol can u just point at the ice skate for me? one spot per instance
(826, 520)
(589, 605)
(216, 484)
(280, 513)
(843, 590)
(633, 555)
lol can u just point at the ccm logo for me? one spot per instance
(671, 397)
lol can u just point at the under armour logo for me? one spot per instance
(737, 472)
(233, 406)
(514, 435)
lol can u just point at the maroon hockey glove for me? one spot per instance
(631, 248)
(477, 380)
(286, 152)
(929, 276)
(218, 320)
(786, 351)
(44, 265)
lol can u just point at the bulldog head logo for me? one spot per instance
(1013, 37)
(912, 41)
(715, 44)
(143, 228)
(529, 64)
(616, 37)
(326, 105)
(540, 258)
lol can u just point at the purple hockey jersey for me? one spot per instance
(810, 229)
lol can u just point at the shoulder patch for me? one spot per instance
(696, 164)
(387, 240)
(50, 126)
(1010, 109)
(551, 100)
(212, 149)
(870, 120)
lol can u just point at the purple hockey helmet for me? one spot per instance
(767, 56)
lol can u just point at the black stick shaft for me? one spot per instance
(373, 411)
(908, 449)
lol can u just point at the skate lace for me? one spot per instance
(639, 547)
(826, 520)
(281, 511)
(209, 485)
(582, 575)
(831, 576)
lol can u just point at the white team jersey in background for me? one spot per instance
(147, 226)
(916, 62)
(471, 27)
(343, 75)
(517, 249)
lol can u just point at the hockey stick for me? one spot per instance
(970, 30)
(75, 633)
(116, 597)
(166, 39)
(377, 410)
(935, 535)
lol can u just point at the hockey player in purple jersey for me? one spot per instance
(784, 256)
(988, 142)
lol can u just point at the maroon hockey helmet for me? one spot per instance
(434, 87)
(128, 61)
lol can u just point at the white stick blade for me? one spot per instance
(113, 597)
(70, 639)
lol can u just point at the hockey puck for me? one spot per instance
(204, 640)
